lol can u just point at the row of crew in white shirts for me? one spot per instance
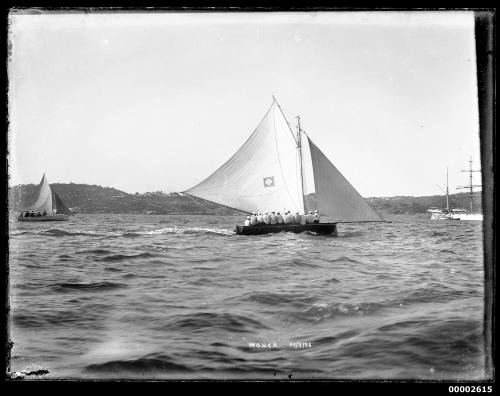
(278, 218)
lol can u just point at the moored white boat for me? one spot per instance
(457, 213)
(438, 214)
(468, 216)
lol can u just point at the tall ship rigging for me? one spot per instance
(458, 213)
(471, 214)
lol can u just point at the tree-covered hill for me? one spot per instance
(85, 198)
(415, 205)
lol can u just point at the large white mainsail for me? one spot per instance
(262, 175)
(44, 201)
(270, 173)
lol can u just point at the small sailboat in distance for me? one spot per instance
(48, 206)
(279, 170)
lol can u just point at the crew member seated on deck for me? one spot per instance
(296, 218)
(45, 213)
(267, 218)
(247, 221)
(27, 214)
(253, 219)
(316, 217)
(38, 214)
(260, 219)
(32, 214)
(309, 218)
(288, 218)
(280, 219)
(274, 218)
(303, 219)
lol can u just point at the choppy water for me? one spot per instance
(131, 296)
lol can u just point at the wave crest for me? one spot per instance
(200, 322)
(96, 286)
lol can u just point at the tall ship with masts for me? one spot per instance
(279, 170)
(457, 213)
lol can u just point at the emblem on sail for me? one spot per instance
(301, 176)
(269, 181)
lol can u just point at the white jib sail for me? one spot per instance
(44, 200)
(262, 175)
(336, 197)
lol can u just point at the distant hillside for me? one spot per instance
(415, 205)
(84, 198)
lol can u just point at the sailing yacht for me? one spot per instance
(279, 170)
(47, 202)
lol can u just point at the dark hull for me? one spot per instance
(44, 218)
(319, 228)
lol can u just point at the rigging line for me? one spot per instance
(304, 176)
(295, 144)
(297, 172)
(217, 203)
(279, 161)
(287, 123)
(204, 206)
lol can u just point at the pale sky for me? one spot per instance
(147, 102)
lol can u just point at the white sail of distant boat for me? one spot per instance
(44, 202)
(47, 203)
(276, 169)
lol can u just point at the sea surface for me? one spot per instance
(179, 297)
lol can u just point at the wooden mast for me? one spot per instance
(298, 142)
(447, 191)
(299, 148)
(470, 186)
